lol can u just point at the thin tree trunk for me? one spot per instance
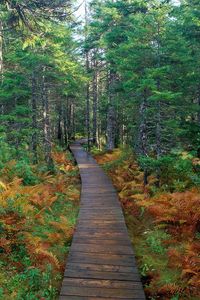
(111, 117)
(158, 110)
(34, 118)
(88, 115)
(88, 103)
(158, 131)
(60, 127)
(87, 64)
(65, 126)
(1, 51)
(198, 120)
(111, 128)
(95, 103)
(69, 113)
(142, 142)
(1, 60)
(73, 122)
(46, 126)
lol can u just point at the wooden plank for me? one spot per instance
(98, 241)
(101, 248)
(101, 263)
(97, 258)
(100, 222)
(95, 227)
(114, 284)
(99, 292)
(88, 298)
(101, 268)
(101, 235)
(101, 275)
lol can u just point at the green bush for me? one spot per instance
(6, 152)
(23, 170)
(175, 172)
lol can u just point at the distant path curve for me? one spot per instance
(101, 263)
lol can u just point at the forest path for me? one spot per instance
(101, 263)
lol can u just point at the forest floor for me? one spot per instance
(164, 228)
(37, 219)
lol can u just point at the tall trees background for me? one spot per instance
(133, 79)
(41, 76)
(145, 55)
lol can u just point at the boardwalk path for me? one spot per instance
(101, 263)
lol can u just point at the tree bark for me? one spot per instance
(88, 115)
(95, 102)
(158, 109)
(34, 118)
(88, 103)
(1, 51)
(1, 60)
(87, 64)
(65, 126)
(111, 117)
(69, 113)
(73, 121)
(111, 128)
(46, 126)
(60, 125)
(198, 120)
(142, 139)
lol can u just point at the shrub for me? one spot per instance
(175, 172)
(6, 152)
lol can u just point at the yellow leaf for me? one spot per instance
(3, 186)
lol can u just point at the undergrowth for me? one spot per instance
(163, 223)
(38, 213)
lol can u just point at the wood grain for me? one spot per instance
(101, 263)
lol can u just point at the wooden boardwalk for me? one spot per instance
(101, 263)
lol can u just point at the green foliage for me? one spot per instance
(23, 170)
(154, 240)
(176, 172)
(41, 221)
(7, 152)
(32, 282)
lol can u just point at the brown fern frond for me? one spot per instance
(44, 255)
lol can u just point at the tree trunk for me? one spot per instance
(158, 110)
(142, 139)
(95, 103)
(65, 126)
(158, 131)
(88, 103)
(34, 118)
(198, 120)
(60, 127)
(87, 64)
(69, 118)
(111, 117)
(73, 122)
(111, 128)
(1, 60)
(1, 51)
(46, 126)
(88, 115)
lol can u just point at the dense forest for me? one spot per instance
(126, 77)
